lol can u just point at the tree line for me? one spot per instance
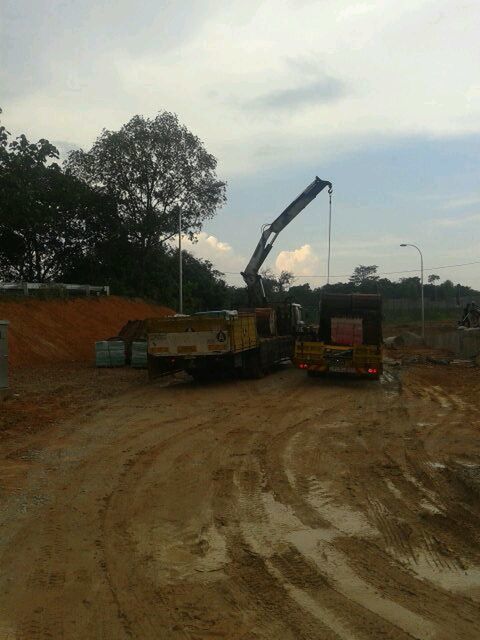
(364, 279)
(109, 216)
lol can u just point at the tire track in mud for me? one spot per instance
(147, 459)
(420, 629)
(451, 521)
(360, 617)
(153, 609)
(275, 509)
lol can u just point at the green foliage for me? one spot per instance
(364, 274)
(106, 218)
(43, 212)
(155, 169)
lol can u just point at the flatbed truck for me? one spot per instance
(348, 339)
(206, 344)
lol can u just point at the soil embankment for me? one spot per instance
(50, 331)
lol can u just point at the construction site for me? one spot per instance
(249, 475)
(228, 411)
(280, 507)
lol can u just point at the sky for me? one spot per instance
(380, 97)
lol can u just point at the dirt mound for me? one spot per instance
(46, 331)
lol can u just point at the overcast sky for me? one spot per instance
(381, 97)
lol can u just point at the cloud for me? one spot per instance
(221, 254)
(301, 262)
(357, 10)
(457, 222)
(457, 203)
(312, 93)
(392, 59)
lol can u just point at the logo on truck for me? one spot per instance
(221, 337)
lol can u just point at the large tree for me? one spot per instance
(44, 214)
(156, 169)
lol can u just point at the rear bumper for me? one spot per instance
(369, 370)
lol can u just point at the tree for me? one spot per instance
(432, 278)
(285, 279)
(364, 274)
(156, 170)
(43, 212)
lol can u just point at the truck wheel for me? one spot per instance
(252, 366)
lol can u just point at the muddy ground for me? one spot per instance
(283, 508)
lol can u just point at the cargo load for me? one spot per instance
(110, 353)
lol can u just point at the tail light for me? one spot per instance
(303, 366)
(372, 371)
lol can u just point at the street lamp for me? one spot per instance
(421, 272)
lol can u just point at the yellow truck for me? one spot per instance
(251, 341)
(209, 343)
(348, 340)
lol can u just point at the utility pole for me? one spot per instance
(180, 265)
(421, 279)
(329, 232)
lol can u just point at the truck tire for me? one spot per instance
(252, 365)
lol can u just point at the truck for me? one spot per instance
(348, 339)
(212, 343)
(247, 341)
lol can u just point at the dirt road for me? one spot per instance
(283, 508)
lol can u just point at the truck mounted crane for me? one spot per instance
(251, 275)
(247, 341)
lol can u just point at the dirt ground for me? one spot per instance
(282, 508)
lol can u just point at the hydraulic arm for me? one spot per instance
(253, 280)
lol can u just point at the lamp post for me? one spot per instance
(180, 266)
(421, 278)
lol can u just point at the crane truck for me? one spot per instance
(248, 341)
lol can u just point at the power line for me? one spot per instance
(382, 273)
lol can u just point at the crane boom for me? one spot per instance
(253, 279)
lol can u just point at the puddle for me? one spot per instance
(395, 490)
(334, 565)
(424, 504)
(427, 492)
(437, 465)
(468, 464)
(278, 529)
(340, 516)
(311, 605)
(187, 554)
(466, 582)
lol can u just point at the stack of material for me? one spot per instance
(366, 307)
(133, 330)
(347, 331)
(139, 354)
(110, 353)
